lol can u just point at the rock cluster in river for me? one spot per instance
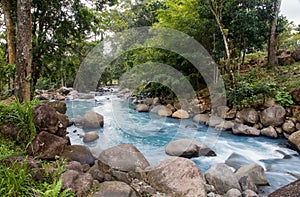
(271, 121)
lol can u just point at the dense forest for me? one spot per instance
(47, 50)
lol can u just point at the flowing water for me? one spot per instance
(150, 134)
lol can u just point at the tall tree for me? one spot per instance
(272, 59)
(216, 7)
(24, 47)
(10, 34)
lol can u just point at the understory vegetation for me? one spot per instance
(17, 178)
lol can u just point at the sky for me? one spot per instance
(291, 9)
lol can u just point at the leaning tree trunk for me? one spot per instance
(272, 59)
(24, 47)
(10, 34)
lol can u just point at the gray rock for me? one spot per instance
(247, 183)
(248, 116)
(92, 120)
(289, 127)
(233, 193)
(164, 111)
(115, 189)
(188, 148)
(226, 125)
(273, 116)
(294, 140)
(59, 106)
(74, 165)
(142, 108)
(124, 157)
(255, 172)
(241, 129)
(214, 121)
(78, 183)
(177, 176)
(269, 132)
(222, 178)
(181, 114)
(236, 161)
(90, 137)
(249, 193)
(45, 118)
(47, 146)
(201, 118)
(79, 153)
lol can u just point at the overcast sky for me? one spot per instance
(291, 9)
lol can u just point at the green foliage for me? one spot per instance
(54, 190)
(283, 98)
(16, 181)
(21, 117)
(247, 94)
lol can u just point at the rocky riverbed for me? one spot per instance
(114, 171)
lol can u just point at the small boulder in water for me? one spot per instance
(142, 108)
(188, 148)
(255, 172)
(181, 114)
(269, 132)
(222, 178)
(90, 137)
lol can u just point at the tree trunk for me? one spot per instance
(24, 47)
(272, 59)
(10, 34)
(217, 12)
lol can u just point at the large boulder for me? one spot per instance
(236, 161)
(289, 127)
(241, 129)
(79, 153)
(115, 188)
(201, 118)
(273, 116)
(222, 178)
(124, 157)
(177, 176)
(294, 140)
(78, 182)
(59, 106)
(47, 146)
(45, 118)
(255, 172)
(269, 132)
(93, 120)
(291, 189)
(142, 108)
(248, 116)
(188, 148)
(181, 114)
